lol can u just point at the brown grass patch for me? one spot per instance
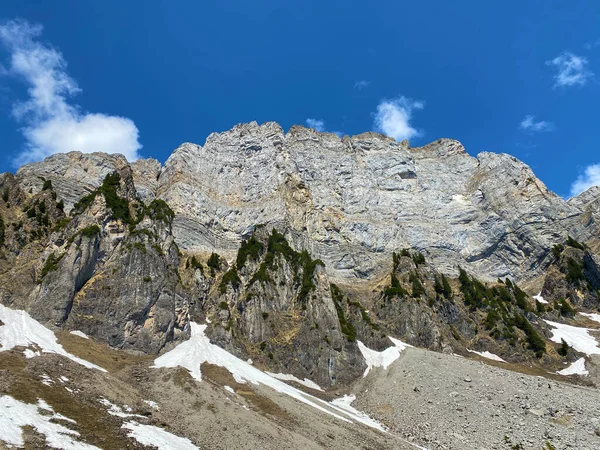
(99, 353)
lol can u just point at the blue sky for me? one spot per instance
(140, 78)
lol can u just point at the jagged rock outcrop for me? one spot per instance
(352, 201)
(129, 253)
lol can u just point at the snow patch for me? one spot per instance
(81, 334)
(15, 414)
(487, 355)
(20, 330)
(539, 298)
(577, 368)
(577, 337)
(152, 404)
(229, 389)
(345, 403)
(198, 349)
(47, 380)
(383, 359)
(115, 410)
(157, 437)
(592, 316)
(286, 377)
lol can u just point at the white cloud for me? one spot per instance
(317, 124)
(529, 124)
(393, 118)
(51, 124)
(362, 84)
(571, 70)
(591, 45)
(590, 177)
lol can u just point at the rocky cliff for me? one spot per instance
(295, 246)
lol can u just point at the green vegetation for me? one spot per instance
(159, 210)
(299, 261)
(5, 195)
(574, 271)
(418, 258)
(147, 279)
(223, 305)
(536, 342)
(51, 263)
(230, 277)
(573, 243)
(47, 185)
(60, 205)
(563, 349)
(565, 309)
(417, 287)
(90, 231)
(557, 250)
(214, 263)
(348, 329)
(118, 205)
(195, 264)
(395, 289)
(249, 250)
(265, 315)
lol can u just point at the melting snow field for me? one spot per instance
(306, 382)
(157, 437)
(577, 337)
(577, 368)
(20, 329)
(15, 414)
(383, 359)
(592, 316)
(487, 355)
(539, 298)
(81, 334)
(198, 349)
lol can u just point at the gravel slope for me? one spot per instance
(450, 402)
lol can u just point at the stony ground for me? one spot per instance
(428, 400)
(450, 402)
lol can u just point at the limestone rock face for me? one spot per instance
(352, 201)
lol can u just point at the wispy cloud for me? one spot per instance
(52, 124)
(317, 124)
(591, 45)
(393, 117)
(590, 177)
(529, 124)
(571, 70)
(360, 85)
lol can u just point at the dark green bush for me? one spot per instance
(395, 289)
(159, 210)
(214, 262)
(90, 231)
(347, 328)
(51, 263)
(563, 349)
(224, 305)
(573, 243)
(557, 250)
(574, 271)
(418, 258)
(230, 277)
(250, 249)
(47, 185)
